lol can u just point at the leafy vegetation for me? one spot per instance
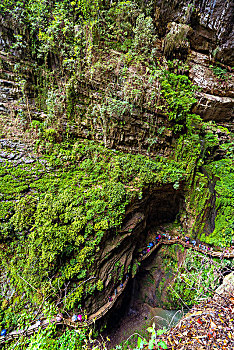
(220, 73)
(224, 176)
(193, 280)
(49, 338)
(79, 193)
(96, 72)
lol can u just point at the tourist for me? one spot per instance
(79, 317)
(193, 243)
(74, 318)
(110, 299)
(121, 285)
(3, 333)
(59, 317)
(38, 323)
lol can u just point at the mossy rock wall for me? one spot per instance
(116, 149)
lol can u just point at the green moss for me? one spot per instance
(223, 172)
(176, 39)
(54, 217)
(61, 219)
(199, 200)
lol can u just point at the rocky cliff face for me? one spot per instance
(215, 100)
(211, 22)
(116, 99)
(209, 38)
(158, 207)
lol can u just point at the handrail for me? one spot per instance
(119, 290)
(215, 254)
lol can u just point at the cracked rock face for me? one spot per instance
(203, 75)
(211, 21)
(216, 108)
(218, 16)
(216, 96)
(228, 284)
(15, 152)
(119, 253)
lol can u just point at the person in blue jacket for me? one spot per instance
(3, 333)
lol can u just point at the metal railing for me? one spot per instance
(106, 307)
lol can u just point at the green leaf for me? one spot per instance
(162, 344)
(161, 331)
(140, 343)
(150, 329)
(151, 344)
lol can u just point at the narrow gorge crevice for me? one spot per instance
(118, 256)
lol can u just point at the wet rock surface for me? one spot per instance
(211, 21)
(211, 107)
(211, 28)
(16, 152)
(215, 96)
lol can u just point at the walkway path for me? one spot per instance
(106, 307)
(66, 321)
(226, 253)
